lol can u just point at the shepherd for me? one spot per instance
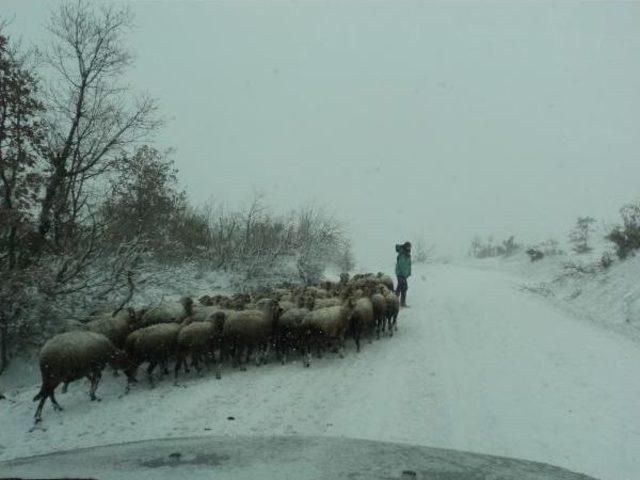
(403, 271)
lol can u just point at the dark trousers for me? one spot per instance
(401, 289)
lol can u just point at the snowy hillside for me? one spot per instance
(578, 284)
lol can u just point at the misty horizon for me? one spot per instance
(434, 120)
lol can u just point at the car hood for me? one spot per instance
(294, 457)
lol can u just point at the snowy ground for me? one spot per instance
(478, 365)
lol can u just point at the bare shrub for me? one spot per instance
(626, 238)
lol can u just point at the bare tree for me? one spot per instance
(91, 118)
(345, 260)
(19, 183)
(20, 136)
(57, 139)
(580, 234)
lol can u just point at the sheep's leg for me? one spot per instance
(278, 348)
(54, 402)
(257, 358)
(239, 352)
(94, 378)
(186, 365)
(38, 416)
(248, 351)
(150, 368)
(164, 363)
(306, 361)
(176, 369)
(65, 386)
(235, 356)
(265, 351)
(262, 351)
(195, 362)
(305, 349)
(206, 357)
(45, 392)
(218, 364)
(341, 346)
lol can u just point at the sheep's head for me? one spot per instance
(121, 361)
(310, 303)
(350, 303)
(187, 304)
(218, 319)
(139, 315)
(206, 300)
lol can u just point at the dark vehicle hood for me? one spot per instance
(267, 458)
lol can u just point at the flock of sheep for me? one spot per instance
(286, 321)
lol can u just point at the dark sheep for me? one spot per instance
(155, 344)
(74, 355)
(328, 325)
(379, 311)
(249, 330)
(200, 340)
(292, 333)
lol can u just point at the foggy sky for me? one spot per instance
(438, 119)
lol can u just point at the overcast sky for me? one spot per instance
(437, 119)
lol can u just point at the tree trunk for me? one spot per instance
(53, 187)
(4, 344)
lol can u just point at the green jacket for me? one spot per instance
(403, 265)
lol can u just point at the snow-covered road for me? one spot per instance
(477, 365)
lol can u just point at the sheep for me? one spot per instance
(247, 330)
(285, 297)
(154, 344)
(202, 313)
(385, 280)
(329, 286)
(206, 300)
(327, 324)
(175, 312)
(73, 355)
(238, 301)
(327, 302)
(292, 333)
(360, 276)
(200, 340)
(287, 305)
(115, 327)
(362, 320)
(379, 311)
(391, 311)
